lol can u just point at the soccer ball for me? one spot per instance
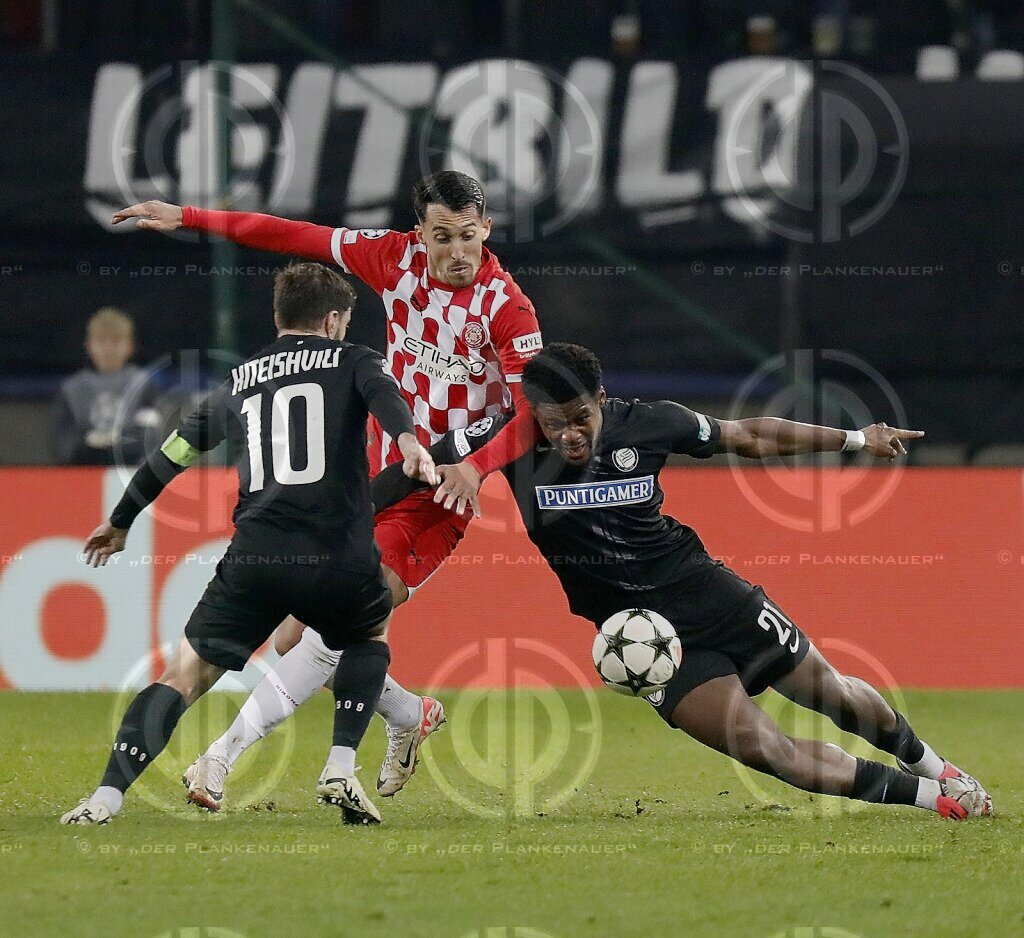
(637, 652)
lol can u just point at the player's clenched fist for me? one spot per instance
(152, 216)
(887, 442)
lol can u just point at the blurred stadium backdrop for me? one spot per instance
(884, 598)
(711, 200)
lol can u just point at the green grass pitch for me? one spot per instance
(531, 814)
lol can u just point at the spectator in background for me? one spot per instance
(101, 412)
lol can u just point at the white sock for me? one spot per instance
(930, 765)
(243, 732)
(344, 757)
(401, 709)
(293, 680)
(928, 791)
(109, 796)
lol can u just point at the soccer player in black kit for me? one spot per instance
(294, 416)
(590, 500)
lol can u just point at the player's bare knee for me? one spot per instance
(190, 676)
(284, 642)
(399, 594)
(287, 635)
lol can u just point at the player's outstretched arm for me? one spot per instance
(758, 437)
(380, 393)
(199, 432)
(460, 482)
(391, 484)
(250, 229)
(144, 488)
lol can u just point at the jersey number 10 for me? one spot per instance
(280, 445)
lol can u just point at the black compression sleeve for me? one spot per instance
(391, 485)
(147, 483)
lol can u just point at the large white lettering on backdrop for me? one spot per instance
(532, 133)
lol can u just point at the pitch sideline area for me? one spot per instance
(567, 813)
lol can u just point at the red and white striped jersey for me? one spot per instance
(453, 351)
(457, 354)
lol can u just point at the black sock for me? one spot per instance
(146, 726)
(883, 784)
(358, 683)
(902, 742)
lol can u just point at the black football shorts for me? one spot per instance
(759, 643)
(726, 626)
(250, 596)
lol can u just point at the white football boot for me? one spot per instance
(87, 812)
(962, 797)
(204, 780)
(403, 749)
(950, 773)
(344, 791)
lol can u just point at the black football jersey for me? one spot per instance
(600, 526)
(294, 416)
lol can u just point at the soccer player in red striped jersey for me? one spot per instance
(459, 332)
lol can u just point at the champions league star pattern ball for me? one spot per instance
(637, 652)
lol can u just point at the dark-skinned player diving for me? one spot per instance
(591, 503)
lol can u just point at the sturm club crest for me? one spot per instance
(657, 698)
(473, 335)
(625, 459)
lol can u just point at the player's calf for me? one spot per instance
(827, 769)
(858, 708)
(147, 726)
(358, 682)
(719, 714)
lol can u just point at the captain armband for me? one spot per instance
(179, 451)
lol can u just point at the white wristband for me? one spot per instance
(854, 441)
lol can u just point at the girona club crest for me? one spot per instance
(473, 335)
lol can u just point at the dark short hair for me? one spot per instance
(305, 293)
(560, 373)
(455, 191)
